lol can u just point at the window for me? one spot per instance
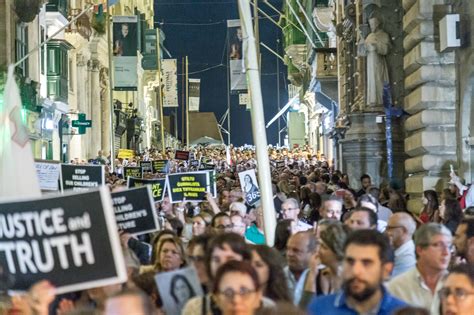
(21, 48)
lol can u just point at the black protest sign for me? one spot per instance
(157, 186)
(146, 166)
(132, 171)
(71, 240)
(279, 164)
(190, 186)
(181, 155)
(161, 166)
(135, 210)
(81, 177)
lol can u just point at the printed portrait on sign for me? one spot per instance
(178, 287)
(125, 39)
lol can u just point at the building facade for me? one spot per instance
(404, 104)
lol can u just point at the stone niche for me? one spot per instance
(364, 147)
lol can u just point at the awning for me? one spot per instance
(322, 98)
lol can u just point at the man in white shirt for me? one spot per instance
(419, 285)
(290, 209)
(400, 229)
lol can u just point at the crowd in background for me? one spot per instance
(338, 249)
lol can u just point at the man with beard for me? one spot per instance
(367, 261)
(464, 240)
(419, 286)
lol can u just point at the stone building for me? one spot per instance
(420, 123)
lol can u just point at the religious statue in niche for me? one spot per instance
(375, 47)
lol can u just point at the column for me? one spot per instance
(106, 109)
(95, 131)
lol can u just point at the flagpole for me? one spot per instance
(111, 89)
(160, 91)
(183, 103)
(228, 92)
(258, 122)
(187, 104)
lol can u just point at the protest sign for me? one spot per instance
(249, 185)
(157, 186)
(177, 287)
(81, 177)
(161, 166)
(125, 154)
(71, 240)
(194, 163)
(135, 211)
(189, 186)
(146, 166)
(181, 155)
(48, 174)
(132, 171)
(280, 164)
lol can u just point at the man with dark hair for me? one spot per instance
(367, 262)
(129, 301)
(464, 240)
(365, 181)
(362, 218)
(221, 223)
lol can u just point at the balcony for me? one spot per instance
(60, 6)
(57, 71)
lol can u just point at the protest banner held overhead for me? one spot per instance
(161, 166)
(135, 211)
(125, 154)
(48, 174)
(248, 182)
(132, 171)
(191, 186)
(158, 186)
(81, 177)
(178, 287)
(71, 240)
(181, 155)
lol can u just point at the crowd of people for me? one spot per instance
(338, 249)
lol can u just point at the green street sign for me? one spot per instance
(81, 123)
(85, 124)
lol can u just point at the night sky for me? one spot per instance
(198, 28)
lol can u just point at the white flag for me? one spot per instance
(17, 169)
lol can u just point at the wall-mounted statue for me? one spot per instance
(375, 46)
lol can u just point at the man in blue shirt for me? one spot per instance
(367, 262)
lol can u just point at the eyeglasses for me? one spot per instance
(229, 294)
(458, 293)
(440, 245)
